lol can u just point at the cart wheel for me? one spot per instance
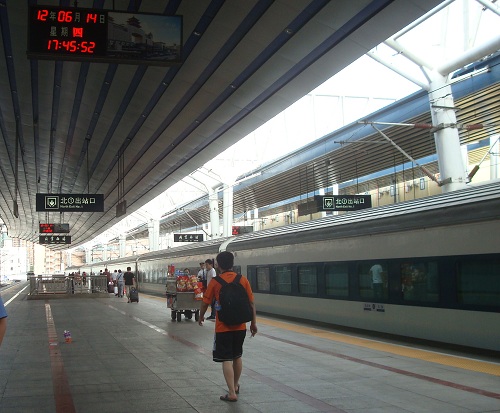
(179, 316)
(172, 315)
(188, 314)
(196, 316)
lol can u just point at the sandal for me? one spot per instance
(227, 399)
(237, 389)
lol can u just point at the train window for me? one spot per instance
(263, 280)
(141, 276)
(283, 277)
(337, 280)
(162, 279)
(372, 277)
(145, 270)
(478, 282)
(308, 279)
(419, 281)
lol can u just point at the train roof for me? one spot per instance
(475, 203)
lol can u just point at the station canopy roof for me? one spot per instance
(131, 131)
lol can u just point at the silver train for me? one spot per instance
(425, 269)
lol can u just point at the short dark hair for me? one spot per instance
(225, 260)
(209, 261)
(128, 268)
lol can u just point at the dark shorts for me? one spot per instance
(229, 345)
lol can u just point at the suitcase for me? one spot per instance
(111, 287)
(134, 295)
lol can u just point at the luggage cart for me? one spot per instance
(181, 302)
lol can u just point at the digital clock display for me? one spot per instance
(54, 228)
(96, 35)
(67, 31)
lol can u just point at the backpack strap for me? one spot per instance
(220, 280)
(223, 282)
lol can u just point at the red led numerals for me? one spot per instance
(42, 15)
(64, 16)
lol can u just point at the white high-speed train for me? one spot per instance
(435, 262)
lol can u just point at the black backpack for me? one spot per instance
(234, 302)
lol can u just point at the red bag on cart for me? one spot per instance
(198, 291)
(182, 282)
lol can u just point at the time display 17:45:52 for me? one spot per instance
(71, 46)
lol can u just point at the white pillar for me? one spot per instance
(154, 234)
(256, 225)
(465, 157)
(69, 256)
(88, 255)
(446, 136)
(123, 244)
(248, 219)
(495, 157)
(335, 191)
(213, 204)
(321, 192)
(227, 211)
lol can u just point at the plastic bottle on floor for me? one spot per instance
(67, 336)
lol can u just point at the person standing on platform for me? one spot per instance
(121, 283)
(228, 343)
(114, 278)
(108, 275)
(202, 274)
(210, 273)
(109, 282)
(129, 281)
(3, 320)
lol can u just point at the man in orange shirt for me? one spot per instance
(228, 347)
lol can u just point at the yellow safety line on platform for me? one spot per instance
(432, 357)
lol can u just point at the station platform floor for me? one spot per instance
(134, 358)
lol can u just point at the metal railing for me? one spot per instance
(52, 285)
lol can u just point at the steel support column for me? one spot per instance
(213, 204)
(123, 244)
(154, 234)
(227, 211)
(453, 174)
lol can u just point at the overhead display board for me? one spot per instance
(188, 237)
(70, 202)
(54, 239)
(238, 230)
(54, 228)
(96, 35)
(323, 203)
(344, 202)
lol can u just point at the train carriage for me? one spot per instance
(436, 262)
